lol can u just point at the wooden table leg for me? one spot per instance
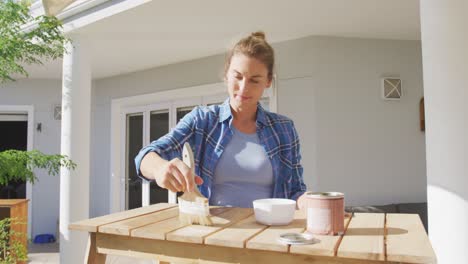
(92, 256)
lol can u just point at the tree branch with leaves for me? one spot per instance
(21, 45)
(17, 165)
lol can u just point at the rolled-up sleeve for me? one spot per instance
(170, 146)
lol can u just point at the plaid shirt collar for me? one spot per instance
(225, 113)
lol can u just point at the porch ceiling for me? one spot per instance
(160, 32)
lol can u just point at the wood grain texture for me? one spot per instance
(124, 227)
(160, 229)
(407, 240)
(237, 234)
(91, 225)
(197, 234)
(268, 238)
(325, 245)
(364, 238)
(92, 256)
(11, 202)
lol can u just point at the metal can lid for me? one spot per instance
(297, 238)
(325, 195)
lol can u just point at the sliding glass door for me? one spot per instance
(158, 127)
(134, 142)
(144, 125)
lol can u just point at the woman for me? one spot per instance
(242, 152)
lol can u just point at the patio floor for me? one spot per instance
(49, 253)
(43, 253)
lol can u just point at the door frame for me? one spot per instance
(29, 111)
(124, 180)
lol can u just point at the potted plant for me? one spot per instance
(17, 165)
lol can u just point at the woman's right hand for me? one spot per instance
(176, 176)
(173, 175)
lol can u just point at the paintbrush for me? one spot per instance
(193, 206)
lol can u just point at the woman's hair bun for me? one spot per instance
(253, 46)
(258, 34)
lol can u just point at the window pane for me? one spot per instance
(134, 143)
(159, 126)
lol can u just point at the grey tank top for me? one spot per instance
(243, 172)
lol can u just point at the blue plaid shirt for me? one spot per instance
(208, 130)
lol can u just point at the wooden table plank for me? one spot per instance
(236, 229)
(407, 240)
(197, 234)
(237, 234)
(364, 238)
(124, 227)
(191, 253)
(160, 229)
(325, 246)
(91, 225)
(268, 238)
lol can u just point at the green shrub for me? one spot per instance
(11, 248)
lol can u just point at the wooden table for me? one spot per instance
(154, 232)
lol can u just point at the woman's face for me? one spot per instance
(246, 80)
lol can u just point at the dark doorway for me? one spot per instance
(13, 135)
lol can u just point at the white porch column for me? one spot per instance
(75, 143)
(444, 28)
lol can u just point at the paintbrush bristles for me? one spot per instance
(196, 212)
(193, 206)
(206, 218)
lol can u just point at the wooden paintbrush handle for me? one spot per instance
(187, 158)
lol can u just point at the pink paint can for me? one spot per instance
(325, 213)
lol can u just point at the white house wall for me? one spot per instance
(352, 141)
(43, 95)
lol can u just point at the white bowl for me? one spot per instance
(274, 211)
